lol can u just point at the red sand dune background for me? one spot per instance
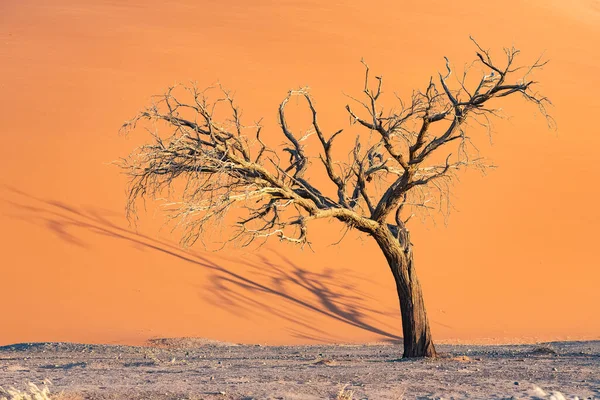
(517, 261)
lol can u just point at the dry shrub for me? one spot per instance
(344, 394)
(543, 350)
(34, 392)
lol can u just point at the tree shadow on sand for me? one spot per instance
(268, 283)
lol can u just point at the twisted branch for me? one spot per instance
(217, 164)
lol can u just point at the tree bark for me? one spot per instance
(415, 325)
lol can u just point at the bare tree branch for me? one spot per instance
(218, 164)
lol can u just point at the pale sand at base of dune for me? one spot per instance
(193, 369)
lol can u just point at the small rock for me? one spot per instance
(554, 369)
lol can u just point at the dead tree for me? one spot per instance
(403, 163)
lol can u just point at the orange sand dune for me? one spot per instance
(518, 261)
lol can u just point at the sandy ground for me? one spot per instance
(197, 369)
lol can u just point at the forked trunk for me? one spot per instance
(415, 325)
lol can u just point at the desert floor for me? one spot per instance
(198, 369)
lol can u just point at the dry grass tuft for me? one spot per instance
(34, 392)
(461, 359)
(344, 394)
(326, 361)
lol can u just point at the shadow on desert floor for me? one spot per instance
(268, 283)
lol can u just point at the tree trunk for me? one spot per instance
(415, 325)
